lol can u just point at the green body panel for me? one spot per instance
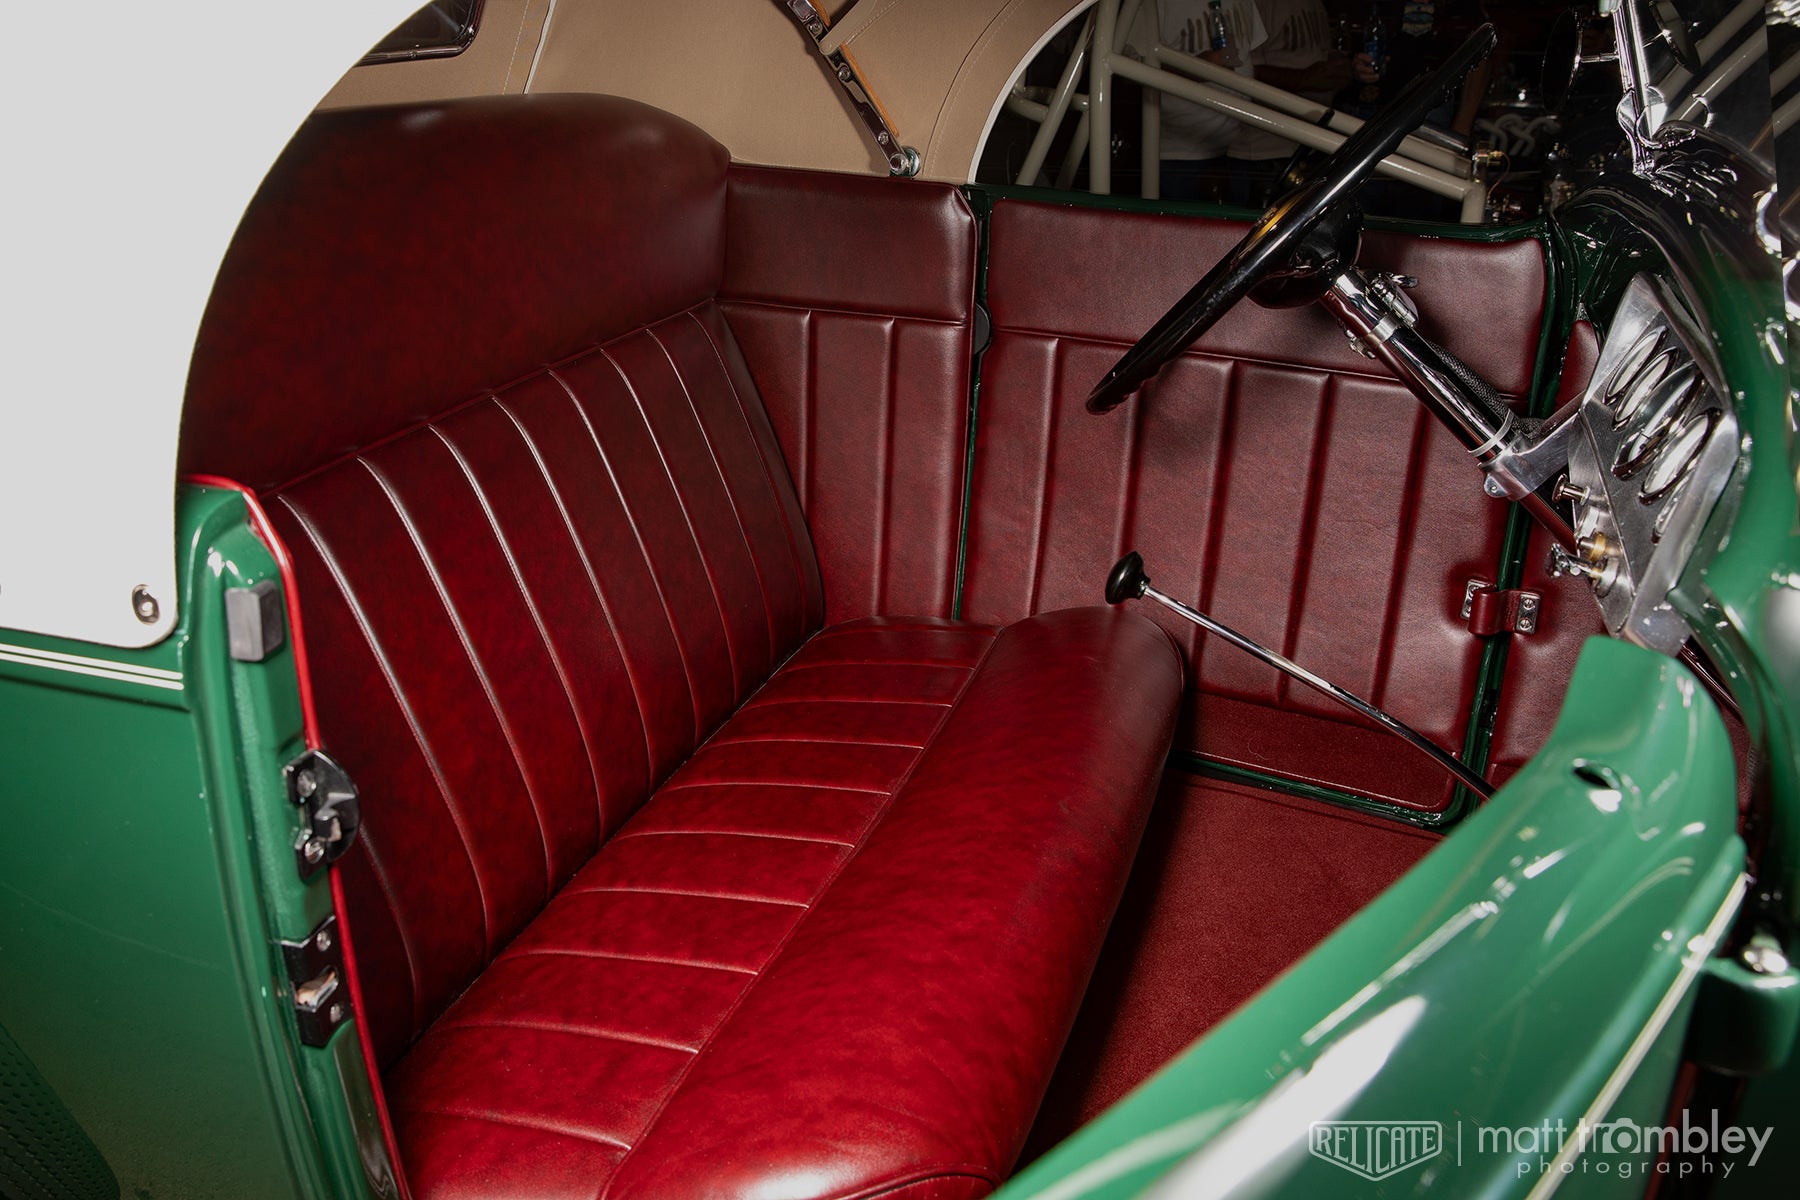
(1743, 599)
(142, 892)
(144, 887)
(1503, 981)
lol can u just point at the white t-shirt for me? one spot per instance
(1189, 130)
(1299, 36)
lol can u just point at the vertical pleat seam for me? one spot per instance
(386, 885)
(737, 513)
(1051, 406)
(637, 694)
(637, 535)
(769, 478)
(687, 519)
(885, 471)
(412, 723)
(474, 660)
(1126, 501)
(1215, 516)
(1403, 543)
(1309, 524)
(809, 375)
(537, 620)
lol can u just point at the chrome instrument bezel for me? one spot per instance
(1627, 428)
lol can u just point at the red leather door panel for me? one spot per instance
(1271, 475)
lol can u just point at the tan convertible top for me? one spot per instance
(743, 71)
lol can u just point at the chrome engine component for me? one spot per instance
(1655, 442)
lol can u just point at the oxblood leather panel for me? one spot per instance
(1324, 514)
(852, 299)
(397, 260)
(1538, 666)
(1107, 276)
(710, 1000)
(812, 239)
(536, 607)
(1053, 753)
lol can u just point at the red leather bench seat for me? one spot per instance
(831, 956)
(662, 889)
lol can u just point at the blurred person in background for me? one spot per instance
(1298, 55)
(1194, 138)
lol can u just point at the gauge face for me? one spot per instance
(1659, 443)
(1676, 460)
(1632, 365)
(1654, 411)
(1636, 390)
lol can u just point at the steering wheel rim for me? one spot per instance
(1284, 227)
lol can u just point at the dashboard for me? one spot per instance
(1655, 444)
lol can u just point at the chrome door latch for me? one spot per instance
(316, 979)
(327, 799)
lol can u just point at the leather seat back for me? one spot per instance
(469, 355)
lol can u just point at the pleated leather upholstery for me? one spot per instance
(660, 891)
(531, 625)
(1271, 476)
(854, 299)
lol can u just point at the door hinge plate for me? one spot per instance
(327, 799)
(316, 982)
(1490, 610)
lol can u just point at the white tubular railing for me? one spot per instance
(1100, 48)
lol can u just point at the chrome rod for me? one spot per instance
(1286, 666)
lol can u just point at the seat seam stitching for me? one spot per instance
(468, 648)
(873, 823)
(738, 897)
(520, 1122)
(606, 1035)
(637, 534)
(567, 952)
(731, 501)
(412, 722)
(537, 619)
(749, 833)
(637, 696)
(818, 741)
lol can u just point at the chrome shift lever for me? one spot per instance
(1127, 581)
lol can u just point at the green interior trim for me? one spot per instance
(983, 207)
(1534, 228)
(1194, 764)
(1490, 678)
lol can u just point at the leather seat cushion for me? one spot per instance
(838, 952)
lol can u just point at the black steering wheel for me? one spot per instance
(1270, 247)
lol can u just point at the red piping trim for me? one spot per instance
(309, 717)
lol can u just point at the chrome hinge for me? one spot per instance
(1490, 610)
(327, 797)
(829, 42)
(316, 980)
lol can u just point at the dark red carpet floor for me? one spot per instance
(1232, 886)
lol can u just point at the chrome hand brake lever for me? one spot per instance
(1127, 581)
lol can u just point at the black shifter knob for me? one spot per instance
(1127, 580)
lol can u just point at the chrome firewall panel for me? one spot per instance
(1657, 442)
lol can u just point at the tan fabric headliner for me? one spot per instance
(741, 70)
